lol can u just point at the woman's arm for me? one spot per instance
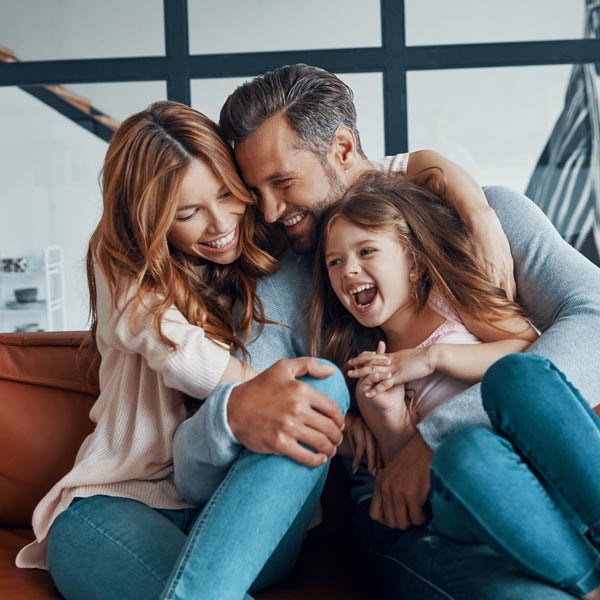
(237, 370)
(451, 182)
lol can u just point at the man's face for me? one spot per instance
(293, 186)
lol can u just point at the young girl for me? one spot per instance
(395, 266)
(177, 243)
(395, 269)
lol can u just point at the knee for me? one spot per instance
(508, 381)
(461, 456)
(334, 386)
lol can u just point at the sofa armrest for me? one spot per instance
(48, 384)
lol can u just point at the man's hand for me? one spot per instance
(362, 444)
(402, 487)
(274, 413)
(493, 251)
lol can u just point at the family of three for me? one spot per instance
(226, 256)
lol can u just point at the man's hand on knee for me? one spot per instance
(402, 487)
(274, 413)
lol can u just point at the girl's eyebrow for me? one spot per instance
(359, 243)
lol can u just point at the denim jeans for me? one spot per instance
(530, 489)
(528, 400)
(246, 538)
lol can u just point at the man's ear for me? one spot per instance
(343, 147)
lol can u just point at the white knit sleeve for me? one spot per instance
(195, 366)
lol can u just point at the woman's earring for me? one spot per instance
(411, 276)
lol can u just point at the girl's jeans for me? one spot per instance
(246, 538)
(531, 488)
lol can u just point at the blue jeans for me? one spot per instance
(423, 564)
(530, 489)
(246, 538)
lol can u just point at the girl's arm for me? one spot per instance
(451, 182)
(467, 362)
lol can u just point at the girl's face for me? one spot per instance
(369, 273)
(208, 217)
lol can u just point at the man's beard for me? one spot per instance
(306, 243)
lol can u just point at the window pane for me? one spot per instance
(120, 100)
(267, 25)
(65, 29)
(50, 194)
(470, 21)
(497, 122)
(208, 95)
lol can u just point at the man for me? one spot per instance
(295, 140)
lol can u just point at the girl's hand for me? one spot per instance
(384, 371)
(362, 442)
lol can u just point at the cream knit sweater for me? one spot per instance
(129, 454)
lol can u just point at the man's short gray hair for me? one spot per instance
(314, 101)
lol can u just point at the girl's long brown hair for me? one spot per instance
(146, 161)
(437, 243)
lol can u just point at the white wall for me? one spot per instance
(49, 191)
(493, 121)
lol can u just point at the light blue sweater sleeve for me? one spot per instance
(204, 446)
(560, 292)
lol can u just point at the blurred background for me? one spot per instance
(505, 88)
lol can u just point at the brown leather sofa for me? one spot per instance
(47, 387)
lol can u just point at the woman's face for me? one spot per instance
(208, 218)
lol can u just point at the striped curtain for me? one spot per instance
(566, 180)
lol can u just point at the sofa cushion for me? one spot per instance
(46, 393)
(22, 584)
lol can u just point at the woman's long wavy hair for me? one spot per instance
(145, 164)
(436, 242)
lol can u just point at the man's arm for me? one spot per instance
(274, 412)
(460, 190)
(560, 292)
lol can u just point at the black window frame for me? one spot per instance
(394, 59)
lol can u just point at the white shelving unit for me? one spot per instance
(48, 312)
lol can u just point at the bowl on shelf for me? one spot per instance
(24, 295)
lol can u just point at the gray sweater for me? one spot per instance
(558, 287)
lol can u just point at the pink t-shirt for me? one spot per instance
(435, 389)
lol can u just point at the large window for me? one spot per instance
(484, 82)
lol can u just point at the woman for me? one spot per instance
(176, 244)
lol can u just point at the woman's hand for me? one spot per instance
(378, 372)
(362, 442)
